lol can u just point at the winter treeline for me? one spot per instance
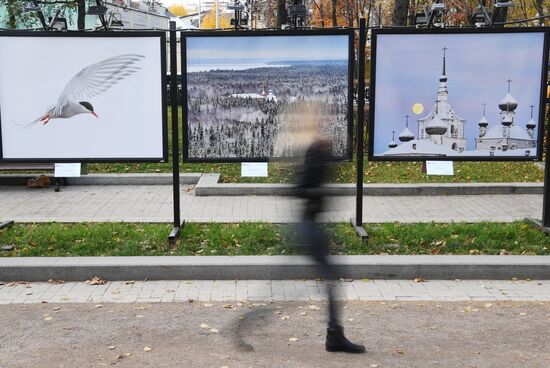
(221, 125)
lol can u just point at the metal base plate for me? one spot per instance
(175, 233)
(361, 232)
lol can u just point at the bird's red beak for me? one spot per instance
(94, 114)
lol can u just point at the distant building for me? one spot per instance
(139, 14)
(269, 96)
(506, 135)
(441, 132)
(442, 125)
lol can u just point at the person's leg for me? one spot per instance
(317, 245)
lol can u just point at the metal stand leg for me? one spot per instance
(59, 182)
(357, 223)
(544, 224)
(178, 225)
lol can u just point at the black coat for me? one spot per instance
(310, 177)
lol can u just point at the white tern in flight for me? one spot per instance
(87, 83)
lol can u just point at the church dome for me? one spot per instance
(436, 126)
(406, 135)
(508, 103)
(392, 144)
(483, 122)
(531, 124)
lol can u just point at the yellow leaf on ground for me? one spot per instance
(147, 349)
(293, 339)
(96, 281)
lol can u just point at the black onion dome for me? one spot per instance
(436, 126)
(508, 103)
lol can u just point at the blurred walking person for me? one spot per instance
(310, 176)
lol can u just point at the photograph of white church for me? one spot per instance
(482, 99)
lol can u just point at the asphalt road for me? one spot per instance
(405, 334)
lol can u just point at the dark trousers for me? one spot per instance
(315, 244)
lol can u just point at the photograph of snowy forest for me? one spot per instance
(245, 92)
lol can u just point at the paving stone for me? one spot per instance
(120, 203)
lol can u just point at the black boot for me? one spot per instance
(336, 341)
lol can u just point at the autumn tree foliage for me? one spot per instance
(330, 13)
(209, 20)
(178, 10)
(346, 13)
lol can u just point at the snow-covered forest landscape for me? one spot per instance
(237, 108)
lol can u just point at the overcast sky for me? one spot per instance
(408, 69)
(270, 47)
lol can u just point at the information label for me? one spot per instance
(67, 170)
(439, 168)
(250, 169)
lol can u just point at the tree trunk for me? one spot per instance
(400, 11)
(412, 11)
(540, 11)
(349, 7)
(10, 7)
(81, 11)
(334, 9)
(369, 10)
(281, 13)
(322, 13)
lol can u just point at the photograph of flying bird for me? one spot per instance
(91, 81)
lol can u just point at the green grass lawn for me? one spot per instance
(130, 239)
(375, 172)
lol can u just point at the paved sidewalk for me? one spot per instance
(274, 290)
(153, 203)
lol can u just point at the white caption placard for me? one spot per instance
(250, 169)
(67, 170)
(439, 168)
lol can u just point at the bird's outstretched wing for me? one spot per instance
(97, 78)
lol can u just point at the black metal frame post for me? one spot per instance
(546, 196)
(544, 224)
(178, 225)
(358, 221)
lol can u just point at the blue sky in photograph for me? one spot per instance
(273, 48)
(478, 65)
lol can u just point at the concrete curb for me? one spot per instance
(272, 267)
(109, 179)
(208, 186)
